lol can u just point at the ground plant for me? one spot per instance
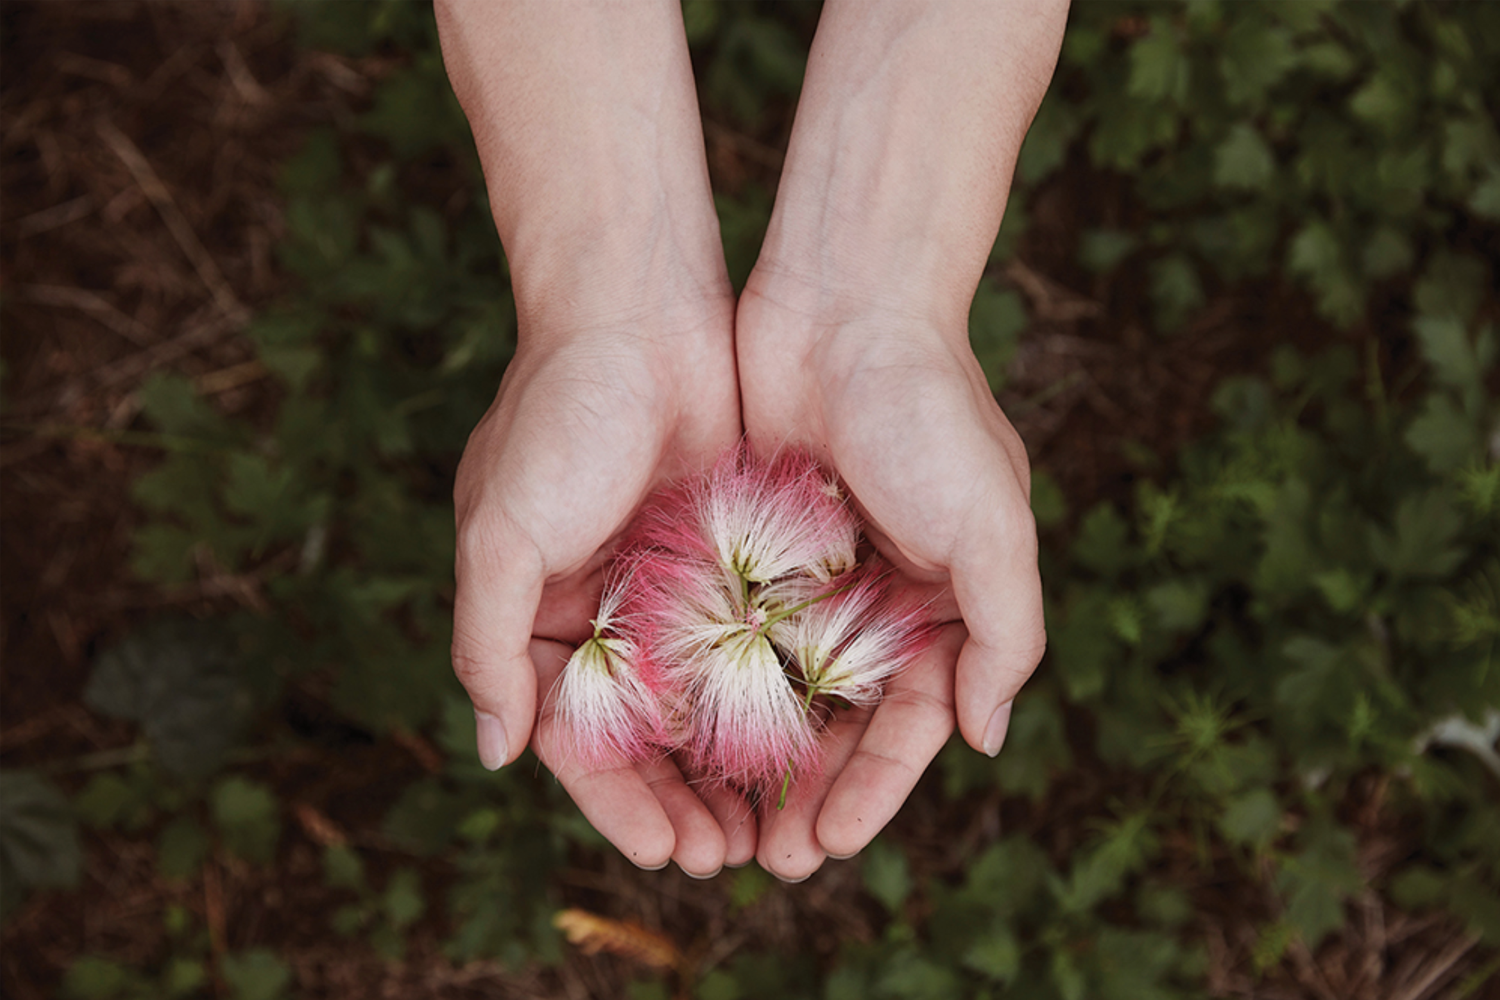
(1243, 309)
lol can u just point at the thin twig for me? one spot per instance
(1438, 969)
(65, 297)
(177, 224)
(55, 217)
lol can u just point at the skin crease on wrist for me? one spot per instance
(850, 338)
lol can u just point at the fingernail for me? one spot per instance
(793, 881)
(701, 878)
(842, 857)
(489, 734)
(652, 868)
(994, 733)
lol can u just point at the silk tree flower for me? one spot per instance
(609, 699)
(736, 714)
(768, 520)
(745, 605)
(849, 644)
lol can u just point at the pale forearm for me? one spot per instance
(911, 118)
(586, 122)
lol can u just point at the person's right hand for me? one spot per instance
(588, 421)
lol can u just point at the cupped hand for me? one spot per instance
(588, 421)
(900, 409)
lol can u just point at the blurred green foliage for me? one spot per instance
(1309, 594)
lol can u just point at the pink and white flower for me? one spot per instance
(609, 697)
(850, 644)
(771, 520)
(745, 604)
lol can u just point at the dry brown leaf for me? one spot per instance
(593, 934)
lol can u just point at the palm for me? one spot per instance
(931, 463)
(575, 441)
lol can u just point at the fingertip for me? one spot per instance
(986, 683)
(491, 741)
(995, 730)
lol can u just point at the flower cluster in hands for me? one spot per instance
(736, 616)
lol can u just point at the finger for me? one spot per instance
(736, 819)
(906, 732)
(789, 847)
(499, 576)
(700, 841)
(619, 802)
(999, 592)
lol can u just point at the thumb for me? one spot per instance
(499, 576)
(999, 592)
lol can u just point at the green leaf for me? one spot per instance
(996, 955)
(246, 816)
(1067, 976)
(179, 680)
(1316, 881)
(1243, 161)
(1253, 818)
(886, 875)
(1445, 436)
(1452, 287)
(1176, 291)
(1158, 70)
(95, 978)
(1036, 747)
(1383, 102)
(184, 977)
(181, 848)
(1134, 965)
(1179, 605)
(748, 886)
(173, 405)
(108, 800)
(1421, 543)
(1387, 254)
(1049, 505)
(1103, 542)
(1083, 645)
(1419, 887)
(343, 868)
(424, 818)
(1164, 905)
(699, 19)
(256, 974)
(414, 109)
(1317, 254)
(1256, 57)
(38, 837)
(1485, 201)
(1455, 360)
(718, 985)
(907, 975)
(403, 901)
(1102, 250)
(1101, 871)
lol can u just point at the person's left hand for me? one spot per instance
(901, 411)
